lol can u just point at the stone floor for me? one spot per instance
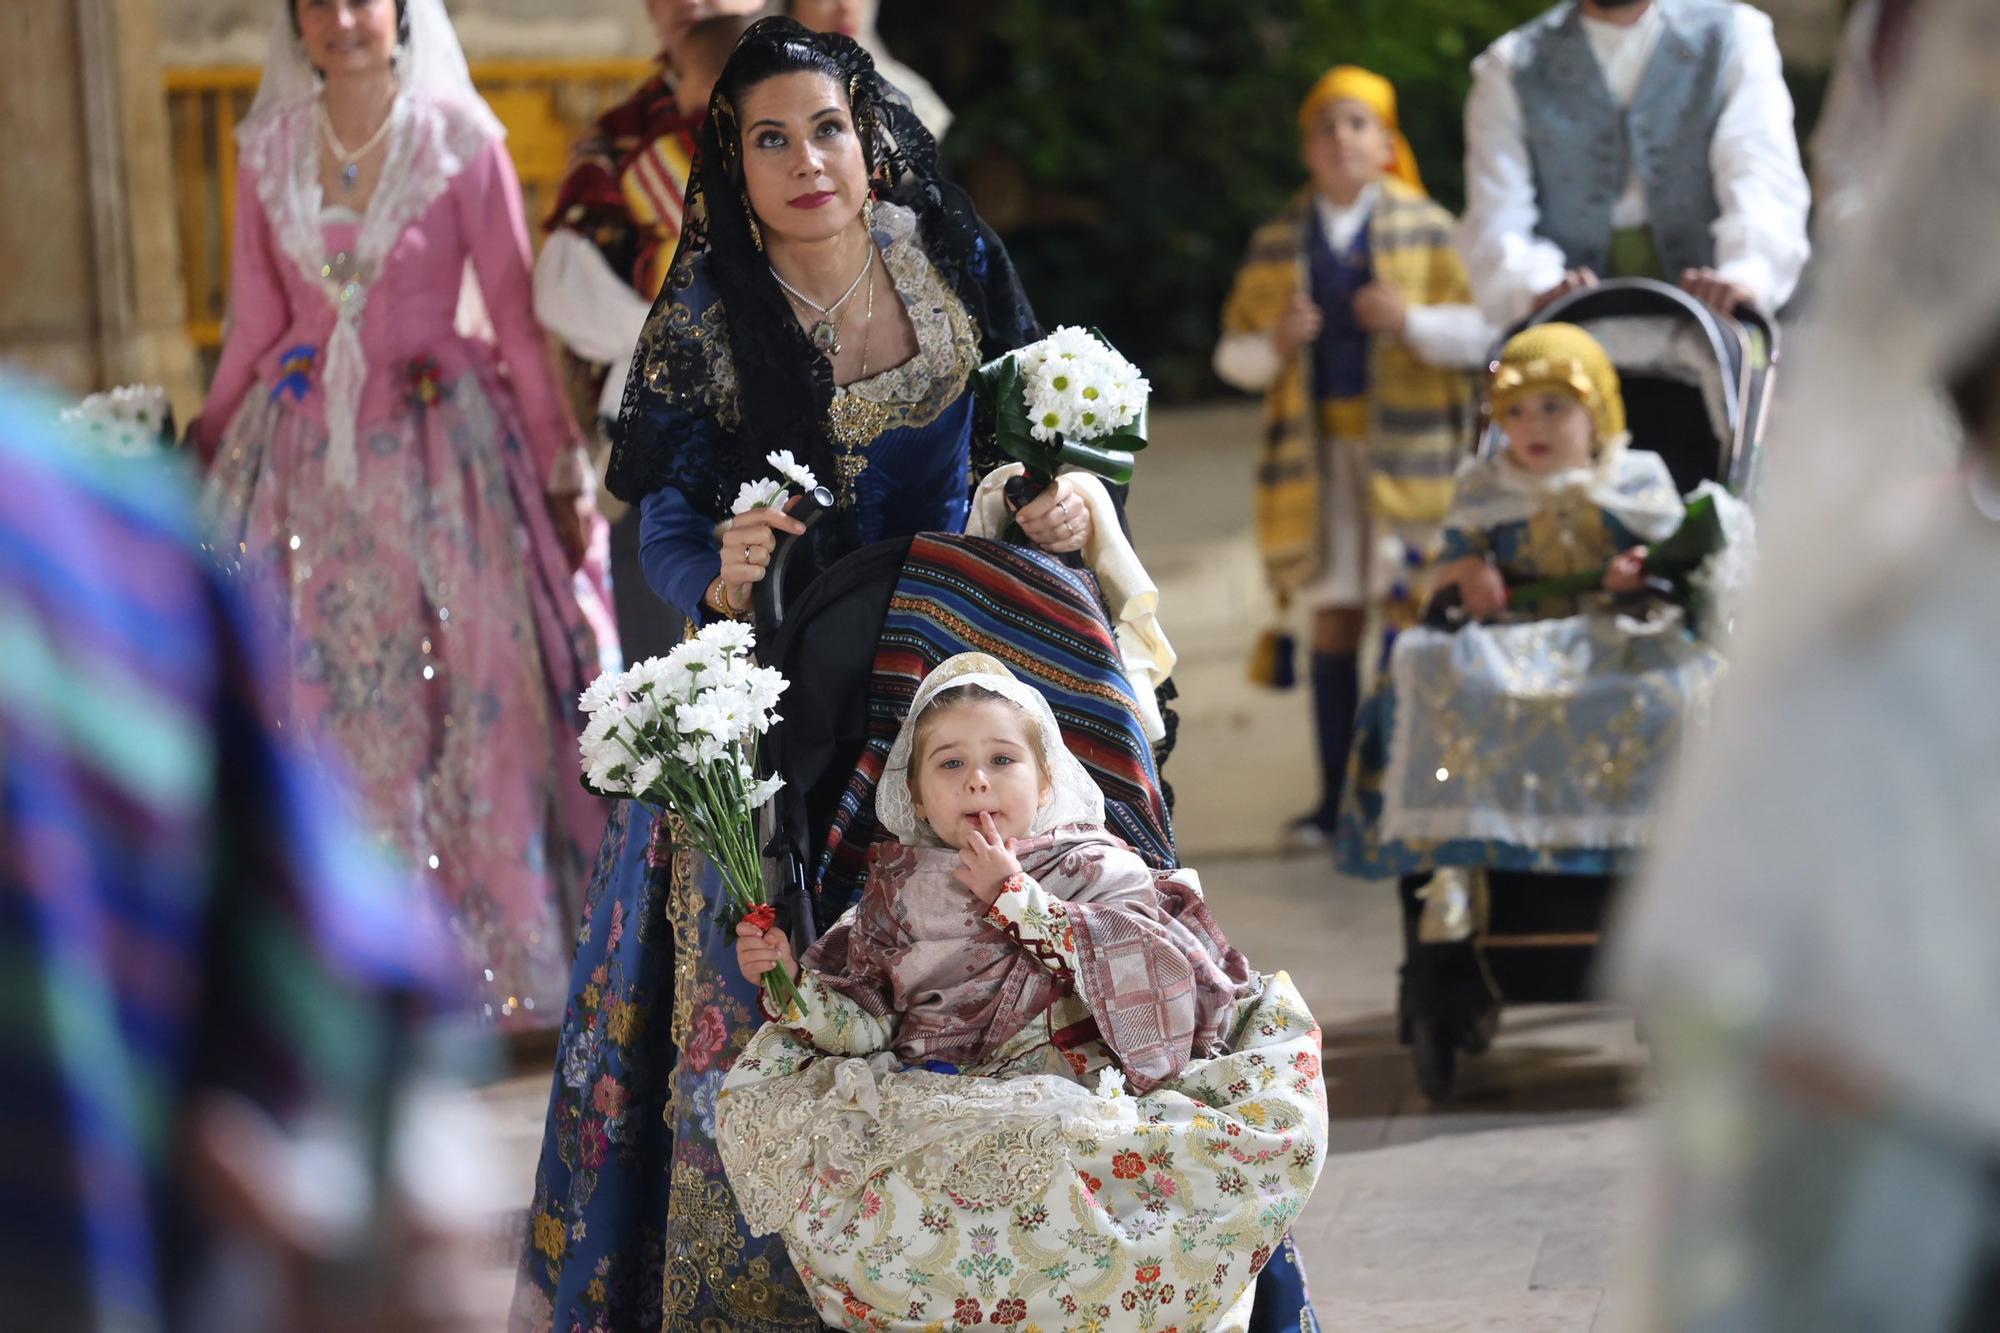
(1499, 1213)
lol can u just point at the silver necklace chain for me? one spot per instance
(852, 287)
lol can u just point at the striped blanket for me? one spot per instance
(1046, 622)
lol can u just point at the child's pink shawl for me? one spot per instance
(1154, 968)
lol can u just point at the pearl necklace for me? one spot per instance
(350, 162)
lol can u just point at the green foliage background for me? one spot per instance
(1126, 148)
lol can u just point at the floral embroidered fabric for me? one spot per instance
(926, 1135)
(911, 1199)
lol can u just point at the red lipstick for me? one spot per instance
(817, 199)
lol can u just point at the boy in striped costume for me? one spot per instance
(1353, 316)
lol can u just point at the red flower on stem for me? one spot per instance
(763, 916)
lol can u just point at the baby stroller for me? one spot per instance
(1696, 389)
(856, 638)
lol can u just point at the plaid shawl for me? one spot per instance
(1047, 623)
(1153, 966)
(1419, 417)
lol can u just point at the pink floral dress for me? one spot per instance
(385, 475)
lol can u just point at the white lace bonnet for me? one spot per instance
(1074, 797)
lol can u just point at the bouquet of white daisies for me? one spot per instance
(680, 731)
(134, 421)
(1068, 400)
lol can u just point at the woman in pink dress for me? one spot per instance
(412, 493)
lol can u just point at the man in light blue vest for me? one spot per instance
(1616, 138)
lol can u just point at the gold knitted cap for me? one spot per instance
(1562, 357)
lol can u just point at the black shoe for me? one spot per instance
(1312, 832)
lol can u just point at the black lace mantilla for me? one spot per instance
(701, 421)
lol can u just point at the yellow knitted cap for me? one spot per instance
(1562, 357)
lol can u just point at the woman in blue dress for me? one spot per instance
(831, 297)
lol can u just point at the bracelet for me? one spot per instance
(716, 599)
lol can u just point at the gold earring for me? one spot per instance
(756, 232)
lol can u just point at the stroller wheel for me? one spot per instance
(1435, 1055)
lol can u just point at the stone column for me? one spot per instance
(92, 296)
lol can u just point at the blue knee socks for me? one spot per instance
(1336, 691)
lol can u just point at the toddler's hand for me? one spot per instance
(986, 860)
(758, 951)
(1627, 571)
(1480, 587)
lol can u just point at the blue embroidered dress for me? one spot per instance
(633, 1225)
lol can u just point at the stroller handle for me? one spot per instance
(770, 598)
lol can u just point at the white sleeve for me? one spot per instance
(1509, 265)
(1760, 238)
(1248, 361)
(583, 302)
(1450, 337)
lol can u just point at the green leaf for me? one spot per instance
(1699, 536)
(1111, 464)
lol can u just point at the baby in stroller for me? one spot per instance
(1537, 743)
(1030, 1081)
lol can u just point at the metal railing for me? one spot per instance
(545, 105)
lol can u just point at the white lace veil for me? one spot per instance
(431, 61)
(1074, 798)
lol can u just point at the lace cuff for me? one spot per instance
(1038, 920)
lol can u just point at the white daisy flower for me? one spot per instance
(791, 469)
(757, 495)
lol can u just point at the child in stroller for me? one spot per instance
(946, 1126)
(1535, 744)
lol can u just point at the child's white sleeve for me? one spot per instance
(1248, 361)
(1038, 919)
(836, 1024)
